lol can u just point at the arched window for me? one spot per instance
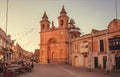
(47, 26)
(43, 26)
(62, 22)
(52, 41)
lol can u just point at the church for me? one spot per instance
(55, 41)
(65, 44)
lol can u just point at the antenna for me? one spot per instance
(116, 8)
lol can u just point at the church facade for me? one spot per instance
(54, 41)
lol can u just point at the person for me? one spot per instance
(1, 70)
(32, 65)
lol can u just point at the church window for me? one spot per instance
(53, 42)
(62, 22)
(43, 26)
(47, 26)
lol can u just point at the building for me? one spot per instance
(5, 50)
(99, 48)
(37, 55)
(65, 44)
(2, 45)
(9, 52)
(19, 54)
(54, 41)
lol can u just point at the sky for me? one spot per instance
(24, 17)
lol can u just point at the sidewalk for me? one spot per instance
(84, 72)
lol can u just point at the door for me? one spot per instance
(96, 62)
(104, 61)
(117, 62)
(86, 61)
(76, 60)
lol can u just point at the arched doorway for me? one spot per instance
(51, 50)
(53, 58)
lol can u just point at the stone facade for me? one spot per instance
(96, 48)
(5, 50)
(64, 44)
(54, 41)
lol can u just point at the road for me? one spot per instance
(55, 70)
(49, 70)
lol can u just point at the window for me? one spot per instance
(47, 26)
(62, 22)
(0, 42)
(101, 45)
(114, 43)
(53, 42)
(4, 44)
(43, 26)
(75, 45)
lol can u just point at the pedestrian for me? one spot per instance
(32, 65)
(1, 70)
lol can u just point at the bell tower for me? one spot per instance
(63, 19)
(44, 23)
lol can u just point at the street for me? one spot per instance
(54, 70)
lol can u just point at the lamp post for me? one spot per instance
(7, 37)
(7, 16)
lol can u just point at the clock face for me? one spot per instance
(61, 33)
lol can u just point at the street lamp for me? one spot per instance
(7, 16)
(7, 37)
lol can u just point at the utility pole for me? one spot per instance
(7, 40)
(7, 16)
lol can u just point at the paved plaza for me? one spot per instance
(55, 70)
